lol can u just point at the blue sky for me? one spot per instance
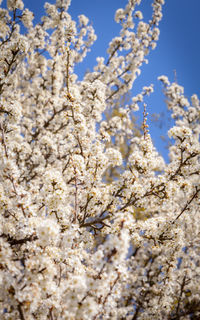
(178, 48)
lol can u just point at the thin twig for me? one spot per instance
(20, 310)
(3, 140)
(144, 123)
(67, 70)
(186, 205)
(76, 198)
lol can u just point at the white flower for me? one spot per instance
(179, 132)
(114, 156)
(139, 15)
(164, 79)
(119, 15)
(47, 232)
(27, 18)
(15, 4)
(83, 20)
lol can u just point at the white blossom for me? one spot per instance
(94, 223)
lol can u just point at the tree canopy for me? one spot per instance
(73, 243)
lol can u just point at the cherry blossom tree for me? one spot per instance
(71, 245)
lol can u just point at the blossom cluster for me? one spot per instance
(73, 245)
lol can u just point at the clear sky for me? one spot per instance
(178, 48)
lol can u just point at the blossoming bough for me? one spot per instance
(70, 245)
